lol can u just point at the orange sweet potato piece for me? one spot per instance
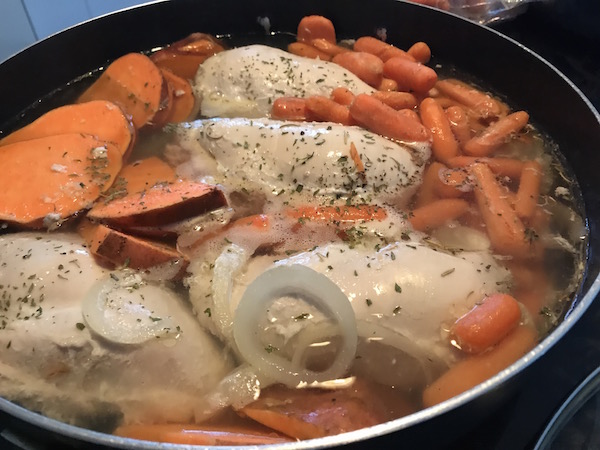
(49, 179)
(183, 101)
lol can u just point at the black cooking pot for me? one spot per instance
(555, 105)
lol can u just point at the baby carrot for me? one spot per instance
(379, 48)
(365, 66)
(444, 145)
(410, 75)
(427, 191)
(327, 110)
(397, 100)
(478, 368)
(382, 119)
(459, 123)
(420, 51)
(289, 108)
(452, 183)
(315, 27)
(343, 96)
(338, 213)
(529, 189)
(486, 324)
(437, 213)
(506, 167)
(387, 85)
(480, 102)
(308, 51)
(328, 47)
(496, 134)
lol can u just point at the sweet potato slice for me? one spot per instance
(184, 102)
(145, 173)
(160, 204)
(47, 180)
(117, 249)
(99, 118)
(134, 83)
(183, 57)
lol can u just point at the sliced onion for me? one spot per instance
(125, 310)
(316, 289)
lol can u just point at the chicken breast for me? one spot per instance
(243, 82)
(302, 162)
(57, 360)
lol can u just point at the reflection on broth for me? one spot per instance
(270, 245)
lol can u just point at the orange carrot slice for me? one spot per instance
(161, 204)
(367, 67)
(496, 134)
(410, 75)
(486, 324)
(443, 143)
(183, 102)
(49, 179)
(135, 84)
(308, 51)
(437, 213)
(478, 368)
(315, 27)
(101, 119)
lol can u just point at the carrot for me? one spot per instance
(486, 324)
(529, 189)
(420, 51)
(379, 48)
(315, 27)
(290, 108)
(141, 175)
(387, 85)
(410, 114)
(308, 51)
(427, 191)
(184, 102)
(478, 368)
(101, 119)
(342, 95)
(459, 123)
(183, 57)
(382, 119)
(480, 102)
(188, 434)
(365, 66)
(161, 204)
(118, 249)
(328, 47)
(410, 75)
(505, 229)
(361, 213)
(327, 110)
(360, 167)
(45, 181)
(496, 134)
(134, 83)
(396, 100)
(437, 213)
(506, 167)
(444, 145)
(452, 183)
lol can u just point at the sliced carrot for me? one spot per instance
(486, 324)
(308, 51)
(338, 213)
(420, 51)
(184, 102)
(444, 145)
(315, 27)
(119, 249)
(134, 83)
(482, 103)
(183, 57)
(529, 190)
(327, 110)
(49, 179)
(496, 134)
(410, 75)
(478, 368)
(382, 119)
(328, 47)
(161, 204)
(396, 100)
(188, 434)
(387, 85)
(506, 167)
(379, 48)
(459, 123)
(437, 213)
(367, 67)
(342, 95)
(141, 175)
(290, 108)
(99, 118)
(505, 230)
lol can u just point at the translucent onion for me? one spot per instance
(316, 289)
